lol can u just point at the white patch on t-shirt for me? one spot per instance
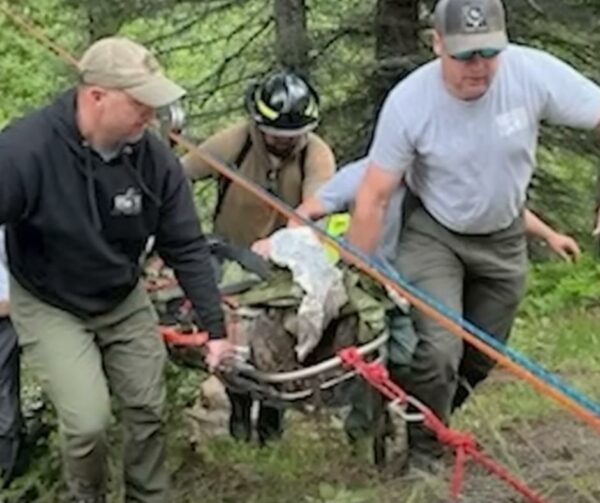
(512, 121)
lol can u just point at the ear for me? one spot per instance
(96, 93)
(438, 45)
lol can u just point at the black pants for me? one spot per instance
(10, 404)
(270, 419)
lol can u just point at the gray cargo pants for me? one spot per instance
(482, 278)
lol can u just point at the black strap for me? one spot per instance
(224, 182)
(303, 153)
(222, 249)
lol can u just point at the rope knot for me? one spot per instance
(350, 356)
(456, 439)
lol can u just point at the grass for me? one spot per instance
(312, 463)
(527, 432)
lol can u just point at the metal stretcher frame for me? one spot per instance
(243, 376)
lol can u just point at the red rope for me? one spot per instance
(458, 474)
(173, 336)
(463, 444)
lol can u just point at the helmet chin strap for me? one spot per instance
(279, 153)
(281, 148)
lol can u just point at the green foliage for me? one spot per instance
(213, 65)
(42, 482)
(31, 73)
(205, 195)
(562, 191)
(183, 386)
(555, 286)
(333, 494)
(214, 49)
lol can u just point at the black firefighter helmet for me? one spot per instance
(283, 104)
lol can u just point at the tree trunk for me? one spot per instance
(396, 44)
(104, 18)
(291, 36)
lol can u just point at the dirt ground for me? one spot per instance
(557, 456)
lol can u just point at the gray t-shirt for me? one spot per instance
(339, 194)
(470, 162)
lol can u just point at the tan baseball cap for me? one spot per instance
(120, 63)
(469, 25)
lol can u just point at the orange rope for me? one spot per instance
(564, 400)
(39, 35)
(463, 444)
(567, 402)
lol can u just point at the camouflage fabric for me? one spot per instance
(367, 300)
(262, 316)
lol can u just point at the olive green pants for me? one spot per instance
(79, 363)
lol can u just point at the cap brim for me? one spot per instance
(157, 92)
(455, 44)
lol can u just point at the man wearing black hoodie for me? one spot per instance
(83, 185)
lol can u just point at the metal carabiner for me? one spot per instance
(396, 407)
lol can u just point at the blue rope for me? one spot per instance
(384, 268)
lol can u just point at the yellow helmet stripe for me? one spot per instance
(312, 110)
(266, 110)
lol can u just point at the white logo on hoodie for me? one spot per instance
(129, 203)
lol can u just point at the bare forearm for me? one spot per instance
(365, 227)
(195, 168)
(4, 308)
(561, 244)
(371, 204)
(537, 227)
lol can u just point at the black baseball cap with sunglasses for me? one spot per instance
(470, 28)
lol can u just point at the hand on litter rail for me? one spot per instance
(217, 352)
(222, 353)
